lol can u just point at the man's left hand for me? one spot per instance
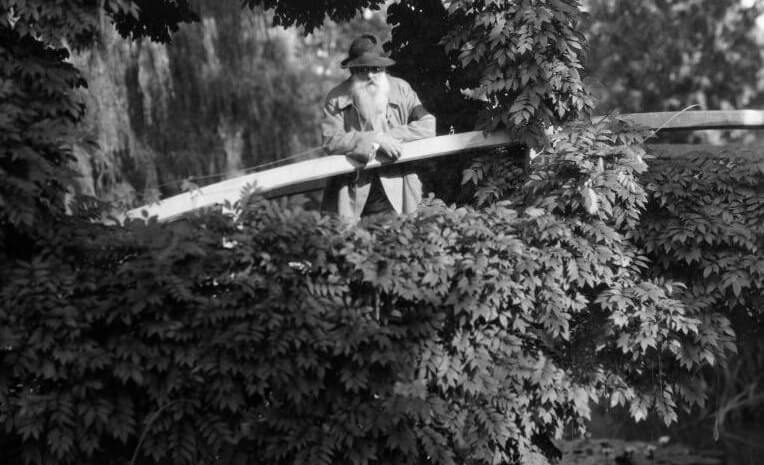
(389, 146)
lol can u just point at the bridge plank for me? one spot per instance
(307, 173)
(697, 120)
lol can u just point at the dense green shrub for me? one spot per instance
(38, 116)
(450, 336)
(704, 226)
(487, 65)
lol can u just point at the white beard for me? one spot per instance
(370, 98)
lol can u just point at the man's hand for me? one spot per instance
(361, 158)
(389, 146)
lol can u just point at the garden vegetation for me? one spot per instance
(476, 333)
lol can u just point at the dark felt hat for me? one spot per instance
(364, 51)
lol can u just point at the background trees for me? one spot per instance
(667, 55)
(229, 92)
(40, 105)
(161, 122)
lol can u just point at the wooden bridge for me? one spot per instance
(310, 174)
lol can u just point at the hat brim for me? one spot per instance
(367, 59)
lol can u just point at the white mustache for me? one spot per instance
(370, 82)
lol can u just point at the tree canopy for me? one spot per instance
(659, 55)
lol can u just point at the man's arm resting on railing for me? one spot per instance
(420, 123)
(357, 145)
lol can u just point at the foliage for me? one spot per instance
(157, 20)
(417, 31)
(658, 55)
(705, 227)
(77, 21)
(38, 115)
(311, 15)
(522, 59)
(518, 62)
(40, 108)
(453, 335)
(528, 58)
(499, 179)
(703, 223)
(468, 335)
(485, 65)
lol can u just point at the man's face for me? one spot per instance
(371, 74)
(370, 91)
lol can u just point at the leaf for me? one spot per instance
(590, 199)
(534, 212)
(638, 409)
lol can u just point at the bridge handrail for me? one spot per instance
(697, 120)
(306, 172)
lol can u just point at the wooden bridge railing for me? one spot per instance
(305, 175)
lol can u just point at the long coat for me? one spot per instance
(343, 133)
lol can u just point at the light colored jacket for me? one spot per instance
(343, 133)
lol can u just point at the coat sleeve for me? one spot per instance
(420, 123)
(336, 140)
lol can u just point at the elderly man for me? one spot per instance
(368, 116)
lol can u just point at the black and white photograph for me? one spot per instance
(381, 232)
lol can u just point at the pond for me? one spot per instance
(615, 439)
